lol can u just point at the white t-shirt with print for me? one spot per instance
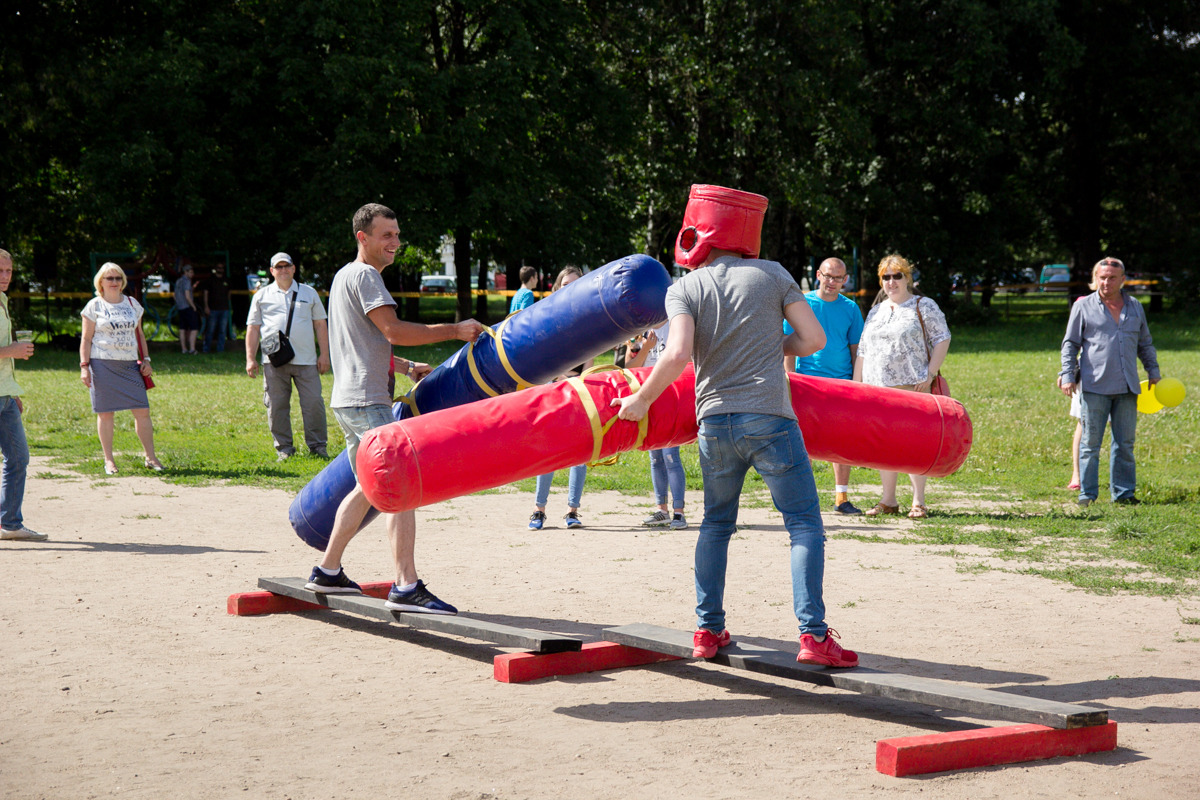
(116, 328)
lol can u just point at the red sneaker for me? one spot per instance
(707, 642)
(827, 653)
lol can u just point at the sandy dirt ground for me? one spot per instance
(125, 677)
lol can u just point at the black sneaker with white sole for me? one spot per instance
(419, 600)
(321, 583)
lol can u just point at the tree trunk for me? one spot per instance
(462, 272)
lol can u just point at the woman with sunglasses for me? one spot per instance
(110, 364)
(904, 342)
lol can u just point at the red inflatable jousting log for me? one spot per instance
(488, 443)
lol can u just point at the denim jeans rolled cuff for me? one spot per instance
(666, 471)
(575, 481)
(1120, 412)
(730, 445)
(16, 463)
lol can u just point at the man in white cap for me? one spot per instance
(293, 309)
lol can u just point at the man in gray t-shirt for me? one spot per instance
(362, 329)
(726, 312)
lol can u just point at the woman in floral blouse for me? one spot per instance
(897, 351)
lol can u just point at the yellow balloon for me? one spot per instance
(1147, 402)
(1169, 392)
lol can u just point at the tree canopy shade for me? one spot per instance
(974, 136)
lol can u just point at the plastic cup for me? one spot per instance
(24, 336)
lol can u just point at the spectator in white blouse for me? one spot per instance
(113, 363)
(904, 342)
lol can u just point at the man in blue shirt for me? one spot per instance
(843, 325)
(524, 297)
(1106, 334)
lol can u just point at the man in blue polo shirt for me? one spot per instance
(843, 324)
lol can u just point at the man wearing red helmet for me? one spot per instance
(725, 317)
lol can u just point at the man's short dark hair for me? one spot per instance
(527, 273)
(365, 216)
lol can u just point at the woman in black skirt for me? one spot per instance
(109, 363)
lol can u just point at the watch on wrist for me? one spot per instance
(408, 372)
(84, 364)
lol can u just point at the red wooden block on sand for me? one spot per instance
(939, 752)
(594, 656)
(246, 604)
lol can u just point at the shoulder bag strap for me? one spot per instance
(291, 310)
(143, 349)
(925, 334)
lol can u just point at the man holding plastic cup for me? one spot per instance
(12, 430)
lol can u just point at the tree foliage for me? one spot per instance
(977, 137)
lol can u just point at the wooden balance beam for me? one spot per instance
(363, 605)
(982, 703)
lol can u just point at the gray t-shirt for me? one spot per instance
(182, 287)
(737, 304)
(358, 351)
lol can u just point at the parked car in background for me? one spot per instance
(1054, 278)
(443, 284)
(155, 283)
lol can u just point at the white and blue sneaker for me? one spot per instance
(321, 583)
(659, 519)
(536, 520)
(418, 599)
(572, 520)
(678, 522)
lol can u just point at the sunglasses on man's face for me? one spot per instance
(899, 276)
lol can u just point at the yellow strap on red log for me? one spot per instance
(589, 405)
(410, 401)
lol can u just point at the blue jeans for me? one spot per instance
(16, 461)
(1096, 410)
(574, 487)
(667, 470)
(217, 321)
(730, 444)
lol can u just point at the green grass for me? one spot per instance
(1004, 509)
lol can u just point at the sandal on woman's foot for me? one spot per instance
(918, 512)
(881, 508)
(110, 468)
(154, 465)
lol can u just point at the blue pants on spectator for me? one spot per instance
(217, 321)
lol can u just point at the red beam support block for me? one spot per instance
(594, 656)
(939, 752)
(248, 604)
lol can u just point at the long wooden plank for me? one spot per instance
(983, 703)
(248, 604)
(504, 635)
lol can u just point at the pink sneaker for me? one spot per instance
(827, 653)
(707, 642)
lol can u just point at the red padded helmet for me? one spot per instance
(727, 219)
